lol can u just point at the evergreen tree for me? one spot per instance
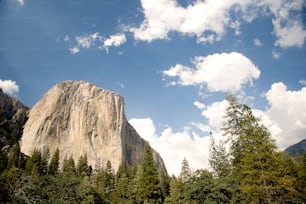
(252, 152)
(301, 178)
(121, 194)
(185, 171)
(109, 180)
(219, 159)
(45, 157)
(54, 163)
(164, 181)
(33, 165)
(149, 188)
(82, 166)
(177, 191)
(199, 188)
(69, 166)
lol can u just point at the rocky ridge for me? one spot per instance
(79, 118)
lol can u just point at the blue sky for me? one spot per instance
(172, 61)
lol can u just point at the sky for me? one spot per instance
(173, 61)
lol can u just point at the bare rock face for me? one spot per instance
(79, 118)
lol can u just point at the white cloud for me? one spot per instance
(287, 109)
(85, 41)
(213, 69)
(9, 86)
(288, 27)
(215, 114)
(21, 2)
(209, 20)
(302, 82)
(285, 119)
(257, 42)
(174, 146)
(159, 19)
(276, 54)
(199, 105)
(97, 41)
(114, 40)
(74, 50)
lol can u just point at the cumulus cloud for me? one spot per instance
(288, 27)
(159, 19)
(257, 42)
(9, 86)
(285, 119)
(114, 40)
(287, 109)
(175, 146)
(199, 105)
(209, 19)
(213, 69)
(215, 114)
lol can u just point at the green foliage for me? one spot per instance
(33, 165)
(247, 169)
(82, 166)
(149, 188)
(54, 163)
(3, 161)
(177, 191)
(69, 166)
(185, 171)
(219, 159)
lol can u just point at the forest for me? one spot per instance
(246, 168)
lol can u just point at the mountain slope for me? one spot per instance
(79, 118)
(13, 115)
(296, 149)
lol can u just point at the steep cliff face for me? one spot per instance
(13, 115)
(79, 118)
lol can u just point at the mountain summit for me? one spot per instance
(79, 118)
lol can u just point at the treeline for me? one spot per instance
(246, 168)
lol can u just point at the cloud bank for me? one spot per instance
(9, 87)
(209, 20)
(285, 119)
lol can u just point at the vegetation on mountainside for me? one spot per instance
(250, 170)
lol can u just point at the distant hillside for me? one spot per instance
(298, 148)
(13, 115)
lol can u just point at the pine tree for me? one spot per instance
(69, 166)
(185, 171)
(149, 188)
(252, 152)
(44, 165)
(82, 166)
(109, 180)
(164, 181)
(177, 191)
(54, 163)
(219, 159)
(33, 164)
